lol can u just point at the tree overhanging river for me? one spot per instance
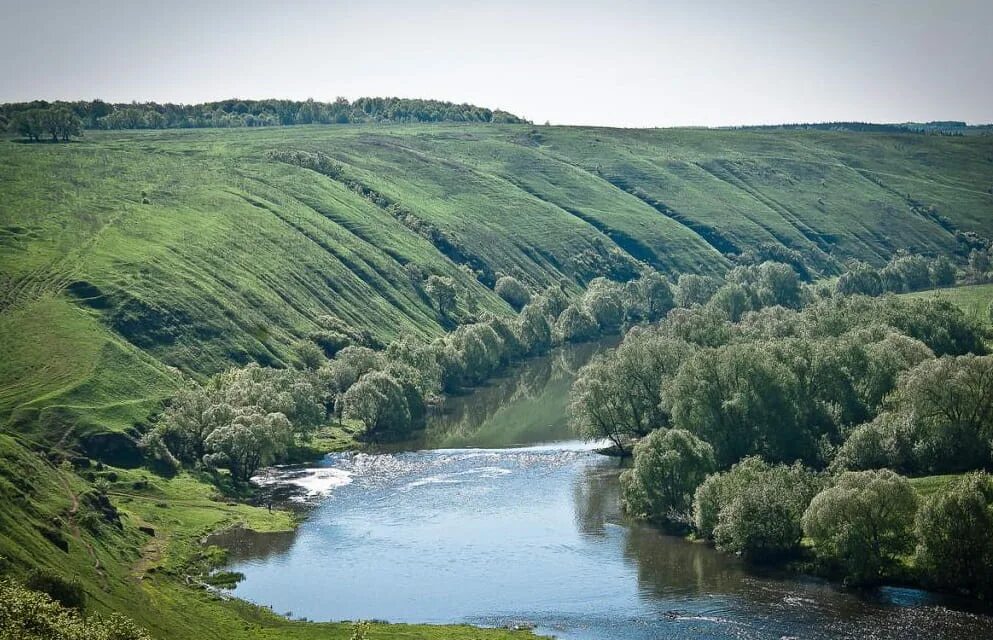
(477, 523)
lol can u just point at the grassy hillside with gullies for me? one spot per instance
(127, 258)
(131, 261)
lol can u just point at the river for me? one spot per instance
(495, 517)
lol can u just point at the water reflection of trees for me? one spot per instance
(669, 565)
(244, 545)
(666, 565)
(596, 497)
(669, 569)
(543, 382)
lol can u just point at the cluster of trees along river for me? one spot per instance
(767, 414)
(795, 422)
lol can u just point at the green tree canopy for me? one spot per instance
(693, 289)
(512, 291)
(954, 529)
(860, 278)
(755, 508)
(575, 324)
(947, 404)
(32, 615)
(862, 524)
(250, 441)
(379, 401)
(604, 301)
(443, 293)
(669, 464)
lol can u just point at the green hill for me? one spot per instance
(128, 255)
(129, 259)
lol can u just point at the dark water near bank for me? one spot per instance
(532, 534)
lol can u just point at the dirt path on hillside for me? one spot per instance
(74, 525)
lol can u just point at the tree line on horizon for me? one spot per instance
(934, 127)
(98, 114)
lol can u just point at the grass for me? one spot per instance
(107, 303)
(929, 485)
(236, 256)
(974, 300)
(66, 376)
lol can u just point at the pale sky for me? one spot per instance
(617, 63)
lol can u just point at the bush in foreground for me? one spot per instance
(32, 615)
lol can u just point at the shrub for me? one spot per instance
(731, 300)
(914, 272)
(604, 301)
(534, 332)
(692, 289)
(512, 291)
(31, 615)
(330, 342)
(443, 293)
(942, 272)
(954, 529)
(249, 442)
(884, 442)
(379, 401)
(308, 355)
(948, 405)
(69, 593)
(669, 464)
(652, 297)
(755, 509)
(575, 325)
(862, 524)
(860, 278)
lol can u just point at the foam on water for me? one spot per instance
(458, 477)
(316, 482)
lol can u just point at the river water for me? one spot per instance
(478, 524)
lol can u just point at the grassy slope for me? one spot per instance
(143, 576)
(103, 298)
(66, 375)
(236, 256)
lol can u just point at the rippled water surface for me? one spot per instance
(533, 535)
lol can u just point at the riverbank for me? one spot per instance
(164, 565)
(495, 536)
(803, 562)
(168, 569)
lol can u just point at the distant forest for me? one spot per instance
(940, 127)
(97, 114)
